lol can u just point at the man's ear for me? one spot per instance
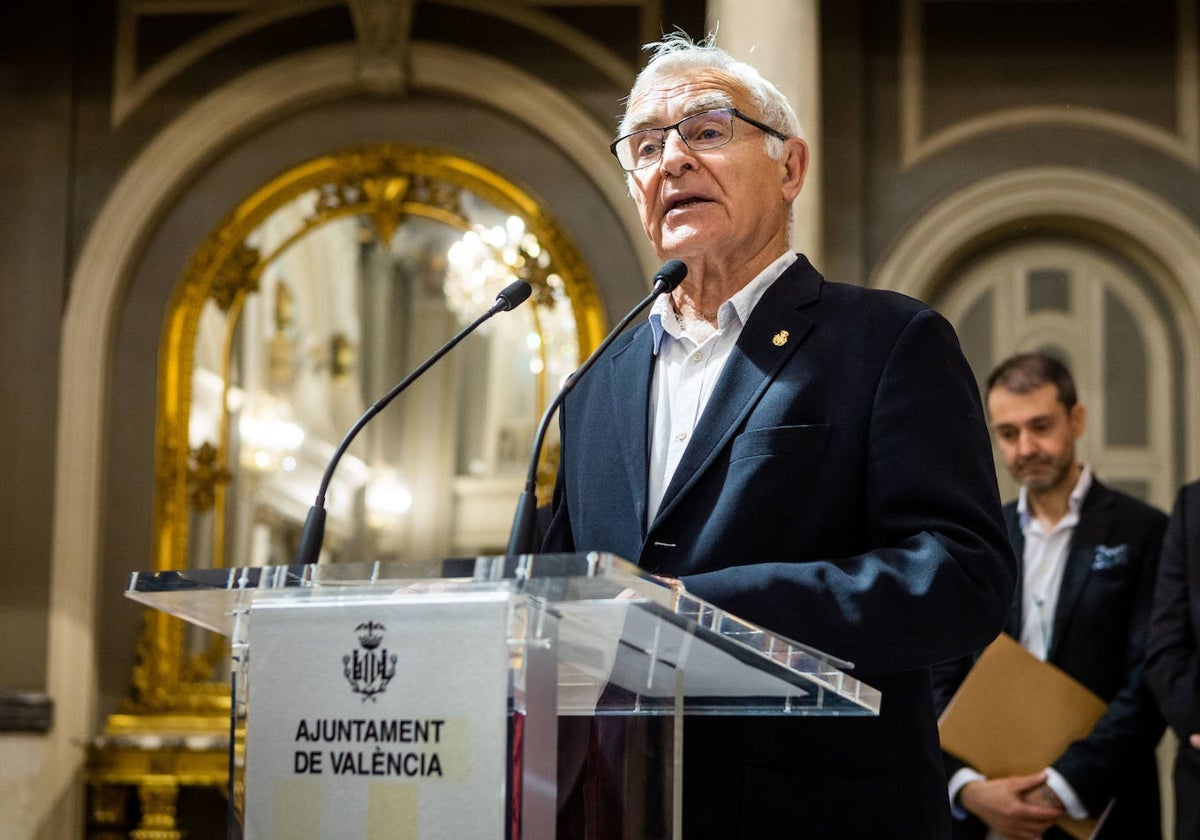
(795, 166)
(1078, 419)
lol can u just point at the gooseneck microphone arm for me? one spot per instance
(521, 538)
(511, 297)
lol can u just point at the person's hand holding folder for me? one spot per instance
(1010, 719)
(1017, 807)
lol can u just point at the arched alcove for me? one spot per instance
(1121, 217)
(133, 251)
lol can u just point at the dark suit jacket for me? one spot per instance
(1098, 637)
(1172, 657)
(839, 489)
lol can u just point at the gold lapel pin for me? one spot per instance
(780, 338)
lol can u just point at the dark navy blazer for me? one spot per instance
(1099, 638)
(1173, 650)
(839, 489)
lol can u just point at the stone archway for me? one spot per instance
(1146, 228)
(152, 181)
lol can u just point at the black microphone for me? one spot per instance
(520, 539)
(512, 296)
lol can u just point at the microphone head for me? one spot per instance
(513, 295)
(670, 275)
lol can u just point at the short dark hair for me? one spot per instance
(1025, 372)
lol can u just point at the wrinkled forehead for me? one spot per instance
(670, 97)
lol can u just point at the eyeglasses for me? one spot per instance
(699, 132)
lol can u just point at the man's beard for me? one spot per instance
(1051, 474)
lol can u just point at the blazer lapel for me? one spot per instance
(1089, 533)
(629, 370)
(1016, 538)
(774, 332)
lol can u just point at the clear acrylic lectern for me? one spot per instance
(580, 636)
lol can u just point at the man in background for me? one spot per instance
(1172, 655)
(1088, 556)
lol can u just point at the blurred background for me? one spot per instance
(228, 226)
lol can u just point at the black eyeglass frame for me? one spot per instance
(612, 147)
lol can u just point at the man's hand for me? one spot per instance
(1043, 794)
(672, 583)
(1195, 740)
(1015, 807)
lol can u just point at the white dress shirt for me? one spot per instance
(690, 356)
(1043, 562)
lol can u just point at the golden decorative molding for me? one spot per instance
(173, 730)
(386, 184)
(206, 472)
(237, 275)
(158, 798)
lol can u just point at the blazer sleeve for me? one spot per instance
(947, 677)
(1172, 657)
(1098, 765)
(937, 581)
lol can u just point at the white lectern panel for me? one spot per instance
(357, 727)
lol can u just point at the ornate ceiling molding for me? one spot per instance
(382, 27)
(1183, 143)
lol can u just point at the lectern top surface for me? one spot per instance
(603, 610)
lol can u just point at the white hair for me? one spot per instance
(677, 53)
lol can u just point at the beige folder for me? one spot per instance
(1015, 714)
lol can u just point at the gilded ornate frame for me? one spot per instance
(385, 183)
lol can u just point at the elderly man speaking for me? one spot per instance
(808, 455)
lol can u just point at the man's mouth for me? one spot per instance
(683, 202)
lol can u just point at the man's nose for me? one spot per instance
(1026, 444)
(676, 155)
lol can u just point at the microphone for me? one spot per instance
(512, 296)
(520, 539)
